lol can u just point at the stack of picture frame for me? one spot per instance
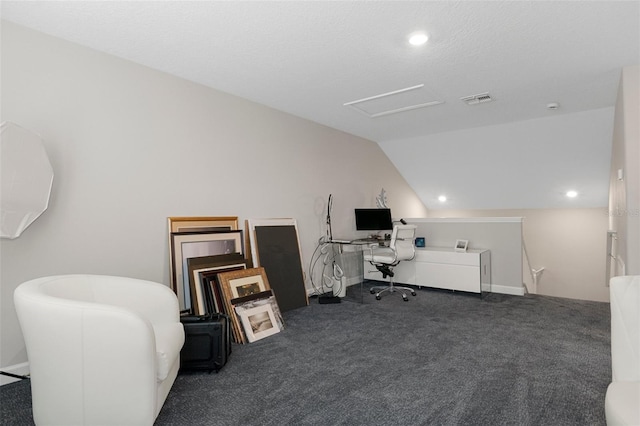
(209, 274)
(191, 237)
(204, 284)
(251, 304)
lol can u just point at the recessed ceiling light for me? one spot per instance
(418, 39)
(442, 198)
(572, 194)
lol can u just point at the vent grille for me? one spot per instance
(480, 98)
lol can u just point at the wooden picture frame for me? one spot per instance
(202, 223)
(253, 278)
(185, 245)
(246, 286)
(258, 322)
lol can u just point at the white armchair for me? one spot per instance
(622, 401)
(102, 350)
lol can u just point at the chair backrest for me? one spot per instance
(402, 241)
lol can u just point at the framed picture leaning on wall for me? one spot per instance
(241, 283)
(195, 224)
(186, 245)
(203, 279)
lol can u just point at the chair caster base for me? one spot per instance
(391, 289)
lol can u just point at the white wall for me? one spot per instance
(477, 168)
(568, 243)
(502, 236)
(131, 146)
(624, 194)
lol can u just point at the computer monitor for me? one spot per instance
(373, 219)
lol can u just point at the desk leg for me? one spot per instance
(349, 258)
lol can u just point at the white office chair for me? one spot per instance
(384, 258)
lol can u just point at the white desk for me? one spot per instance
(348, 255)
(436, 267)
(441, 267)
(359, 241)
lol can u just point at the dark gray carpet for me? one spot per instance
(439, 359)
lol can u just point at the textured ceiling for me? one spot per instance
(310, 58)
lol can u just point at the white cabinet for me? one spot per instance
(442, 268)
(449, 269)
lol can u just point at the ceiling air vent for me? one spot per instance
(477, 99)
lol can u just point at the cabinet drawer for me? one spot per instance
(451, 277)
(451, 258)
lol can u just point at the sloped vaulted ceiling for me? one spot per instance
(348, 65)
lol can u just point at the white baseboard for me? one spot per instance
(490, 288)
(20, 369)
(503, 289)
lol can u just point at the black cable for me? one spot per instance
(328, 261)
(329, 206)
(312, 265)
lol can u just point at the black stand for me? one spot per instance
(326, 298)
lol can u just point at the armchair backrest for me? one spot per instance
(402, 241)
(625, 328)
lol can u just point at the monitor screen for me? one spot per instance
(373, 219)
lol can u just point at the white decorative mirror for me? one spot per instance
(26, 179)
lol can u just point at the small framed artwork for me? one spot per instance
(258, 299)
(241, 283)
(258, 322)
(245, 282)
(461, 245)
(420, 242)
